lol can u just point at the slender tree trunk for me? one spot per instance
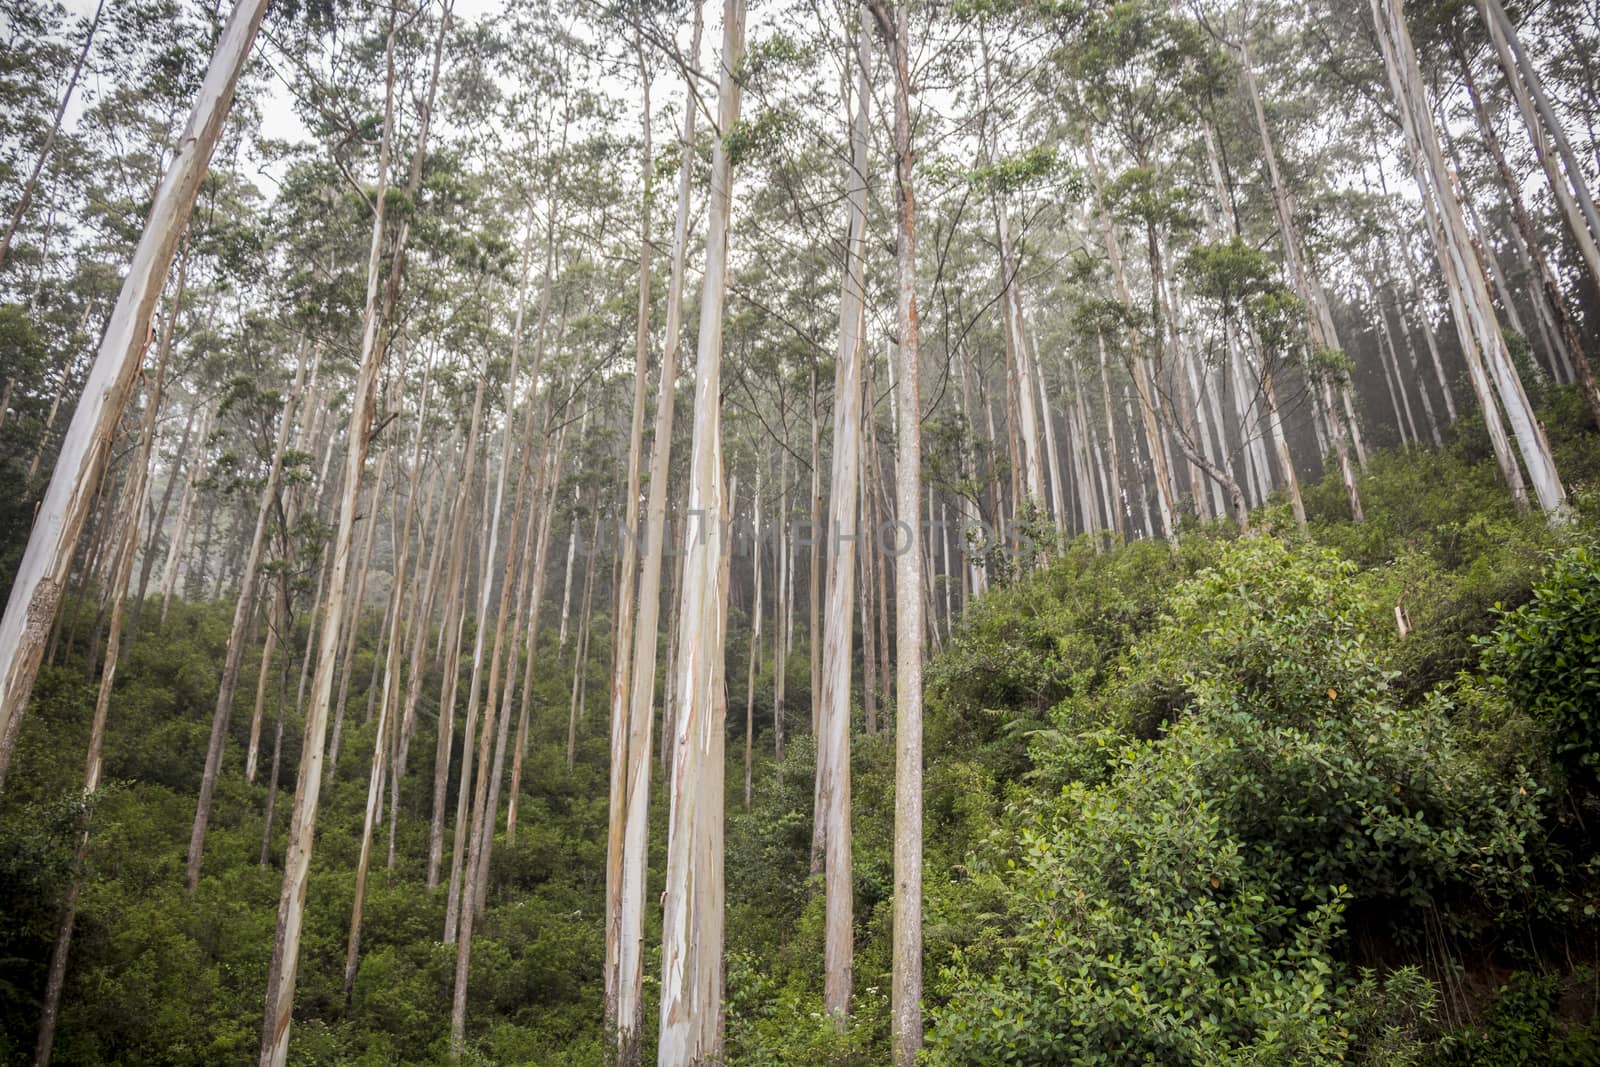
(691, 951)
(302, 823)
(782, 602)
(180, 533)
(755, 645)
(244, 613)
(55, 409)
(1318, 320)
(417, 636)
(1571, 193)
(159, 521)
(383, 743)
(495, 713)
(1111, 439)
(1136, 365)
(26, 198)
(1570, 346)
(865, 605)
(580, 650)
(277, 756)
(1465, 276)
(906, 977)
(535, 601)
(622, 647)
(450, 632)
(627, 983)
(122, 570)
(1425, 319)
(832, 811)
(814, 572)
(36, 591)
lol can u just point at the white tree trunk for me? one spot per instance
(906, 990)
(243, 614)
(629, 980)
(36, 591)
(1480, 333)
(691, 951)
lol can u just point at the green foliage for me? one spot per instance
(1187, 905)
(1546, 657)
(1522, 1028)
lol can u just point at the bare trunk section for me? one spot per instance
(450, 634)
(1572, 192)
(41, 574)
(1464, 275)
(1111, 440)
(1550, 296)
(1318, 320)
(180, 533)
(302, 823)
(755, 645)
(1136, 365)
(622, 646)
(383, 744)
(906, 968)
(243, 614)
(691, 950)
(627, 984)
(122, 571)
(832, 811)
(28, 186)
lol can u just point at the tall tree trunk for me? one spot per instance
(1142, 387)
(1571, 346)
(158, 522)
(36, 591)
(1319, 322)
(832, 809)
(865, 604)
(244, 613)
(417, 636)
(1572, 192)
(1479, 332)
(357, 605)
(906, 976)
(782, 601)
(628, 981)
(552, 480)
(691, 950)
(496, 717)
(302, 823)
(26, 198)
(180, 532)
(382, 744)
(450, 635)
(814, 572)
(580, 650)
(117, 592)
(1111, 440)
(755, 643)
(622, 647)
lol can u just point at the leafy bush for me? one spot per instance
(1546, 656)
(1189, 908)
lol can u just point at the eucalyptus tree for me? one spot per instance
(626, 985)
(1488, 359)
(286, 943)
(35, 594)
(906, 994)
(692, 927)
(831, 817)
(25, 198)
